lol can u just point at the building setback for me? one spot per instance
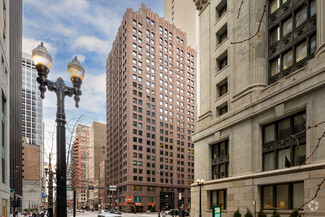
(151, 114)
(255, 95)
(79, 163)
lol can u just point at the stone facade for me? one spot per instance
(97, 153)
(253, 103)
(31, 175)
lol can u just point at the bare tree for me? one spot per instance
(294, 136)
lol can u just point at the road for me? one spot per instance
(94, 214)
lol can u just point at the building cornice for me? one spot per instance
(267, 174)
(200, 4)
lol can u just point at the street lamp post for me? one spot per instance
(43, 62)
(200, 183)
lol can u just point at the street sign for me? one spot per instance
(68, 189)
(43, 195)
(69, 196)
(112, 188)
(216, 211)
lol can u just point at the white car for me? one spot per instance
(106, 213)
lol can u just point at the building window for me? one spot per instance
(221, 9)
(220, 160)
(282, 196)
(223, 109)
(222, 88)
(222, 61)
(219, 197)
(292, 36)
(222, 34)
(293, 151)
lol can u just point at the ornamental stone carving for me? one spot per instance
(200, 4)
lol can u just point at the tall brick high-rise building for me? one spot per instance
(151, 114)
(79, 162)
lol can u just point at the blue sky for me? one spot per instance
(85, 28)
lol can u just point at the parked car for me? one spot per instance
(106, 213)
(115, 211)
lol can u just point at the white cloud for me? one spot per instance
(30, 43)
(91, 44)
(75, 6)
(64, 30)
(93, 97)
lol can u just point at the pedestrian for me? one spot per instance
(163, 213)
(158, 213)
(34, 214)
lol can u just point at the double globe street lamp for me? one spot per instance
(43, 62)
(200, 183)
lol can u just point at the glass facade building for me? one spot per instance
(32, 105)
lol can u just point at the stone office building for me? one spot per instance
(255, 94)
(151, 114)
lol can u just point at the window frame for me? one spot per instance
(224, 191)
(305, 31)
(274, 195)
(220, 159)
(275, 146)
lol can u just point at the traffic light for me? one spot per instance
(12, 203)
(18, 202)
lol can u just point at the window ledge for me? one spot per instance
(221, 97)
(217, 21)
(282, 211)
(221, 70)
(220, 44)
(261, 174)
